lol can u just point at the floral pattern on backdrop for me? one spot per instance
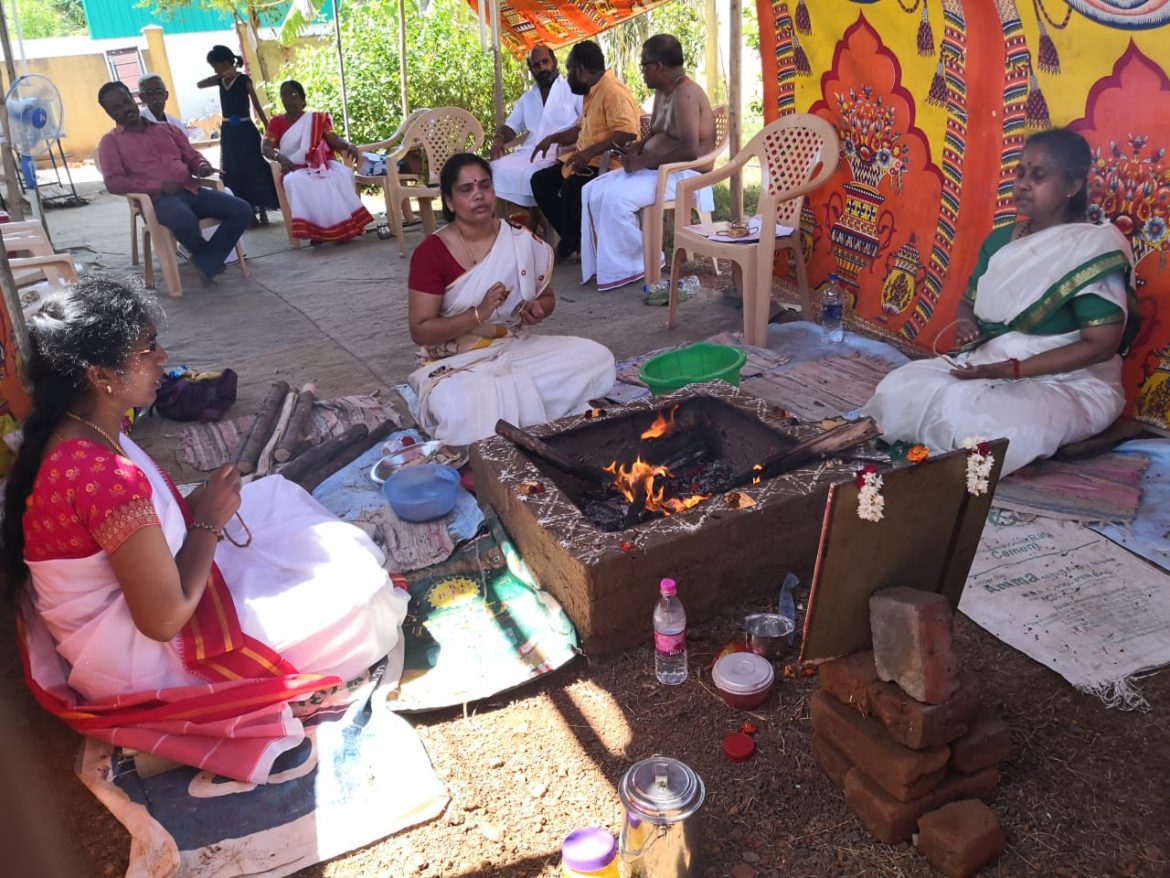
(933, 100)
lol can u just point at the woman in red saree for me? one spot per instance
(181, 627)
(319, 189)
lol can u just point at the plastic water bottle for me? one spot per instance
(670, 636)
(832, 304)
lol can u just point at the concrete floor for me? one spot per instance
(336, 315)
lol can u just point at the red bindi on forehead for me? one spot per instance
(476, 180)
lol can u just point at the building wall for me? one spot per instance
(125, 18)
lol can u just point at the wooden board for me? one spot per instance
(926, 540)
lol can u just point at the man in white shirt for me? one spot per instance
(154, 94)
(546, 108)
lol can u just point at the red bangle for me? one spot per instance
(1015, 368)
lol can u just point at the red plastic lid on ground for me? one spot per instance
(738, 747)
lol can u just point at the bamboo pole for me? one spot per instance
(11, 185)
(714, 87)
(341, 68)
(402, 58)
(15, 311)
(735, 102)
(498, 68)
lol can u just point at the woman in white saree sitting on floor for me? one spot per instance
(319, 189)
(476, 287)
(1046, 312)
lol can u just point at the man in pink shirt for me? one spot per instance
(156, 159)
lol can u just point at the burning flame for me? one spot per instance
(757, 468)
(662, 426)
(641, 477)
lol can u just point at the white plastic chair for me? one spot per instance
(797, 155)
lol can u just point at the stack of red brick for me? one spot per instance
(900, 729)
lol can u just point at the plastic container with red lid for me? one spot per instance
(743, 679)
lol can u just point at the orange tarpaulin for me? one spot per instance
(526, 23)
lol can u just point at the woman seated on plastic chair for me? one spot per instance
(319, 189)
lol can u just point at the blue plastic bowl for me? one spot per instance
(422, 492)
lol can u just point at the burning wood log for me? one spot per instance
(822, 445)
(249, 451)
(295, 439)
(540, 448)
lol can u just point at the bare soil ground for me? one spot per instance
(1084, 793)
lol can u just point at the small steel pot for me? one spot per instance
(662, 832)
(769, 634)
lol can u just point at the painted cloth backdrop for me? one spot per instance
(525, 23)
(933, 100)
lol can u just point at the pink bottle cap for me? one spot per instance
(668, 587)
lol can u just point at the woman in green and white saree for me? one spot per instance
(478, 287)
(1040, 327)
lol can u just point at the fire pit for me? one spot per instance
(601, 552)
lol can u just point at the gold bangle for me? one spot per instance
(203, 525)
(475, 311)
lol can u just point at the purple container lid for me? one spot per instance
(588, 850)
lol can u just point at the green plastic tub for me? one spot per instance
(693, 364)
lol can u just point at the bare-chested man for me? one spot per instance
(683, 129)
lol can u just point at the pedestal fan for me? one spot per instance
(35, 121)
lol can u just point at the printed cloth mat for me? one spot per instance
(353, 496)
(1101, 489)
(796, 371)
(1073, 601)
(209, 446)
(479, 624)
(759, 360)
(820, 389)
(1148, 535)
(360, 775)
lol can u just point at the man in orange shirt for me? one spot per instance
(610, 118)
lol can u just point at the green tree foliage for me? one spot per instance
(623, 44)
(445, 66)
(48, 18)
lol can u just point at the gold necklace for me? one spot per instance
(109, 440)
(466, 248)
(118, 448)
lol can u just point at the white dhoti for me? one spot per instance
(528, 380)
(512, 176)
(611, 235)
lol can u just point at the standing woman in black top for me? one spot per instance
(245, 171)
